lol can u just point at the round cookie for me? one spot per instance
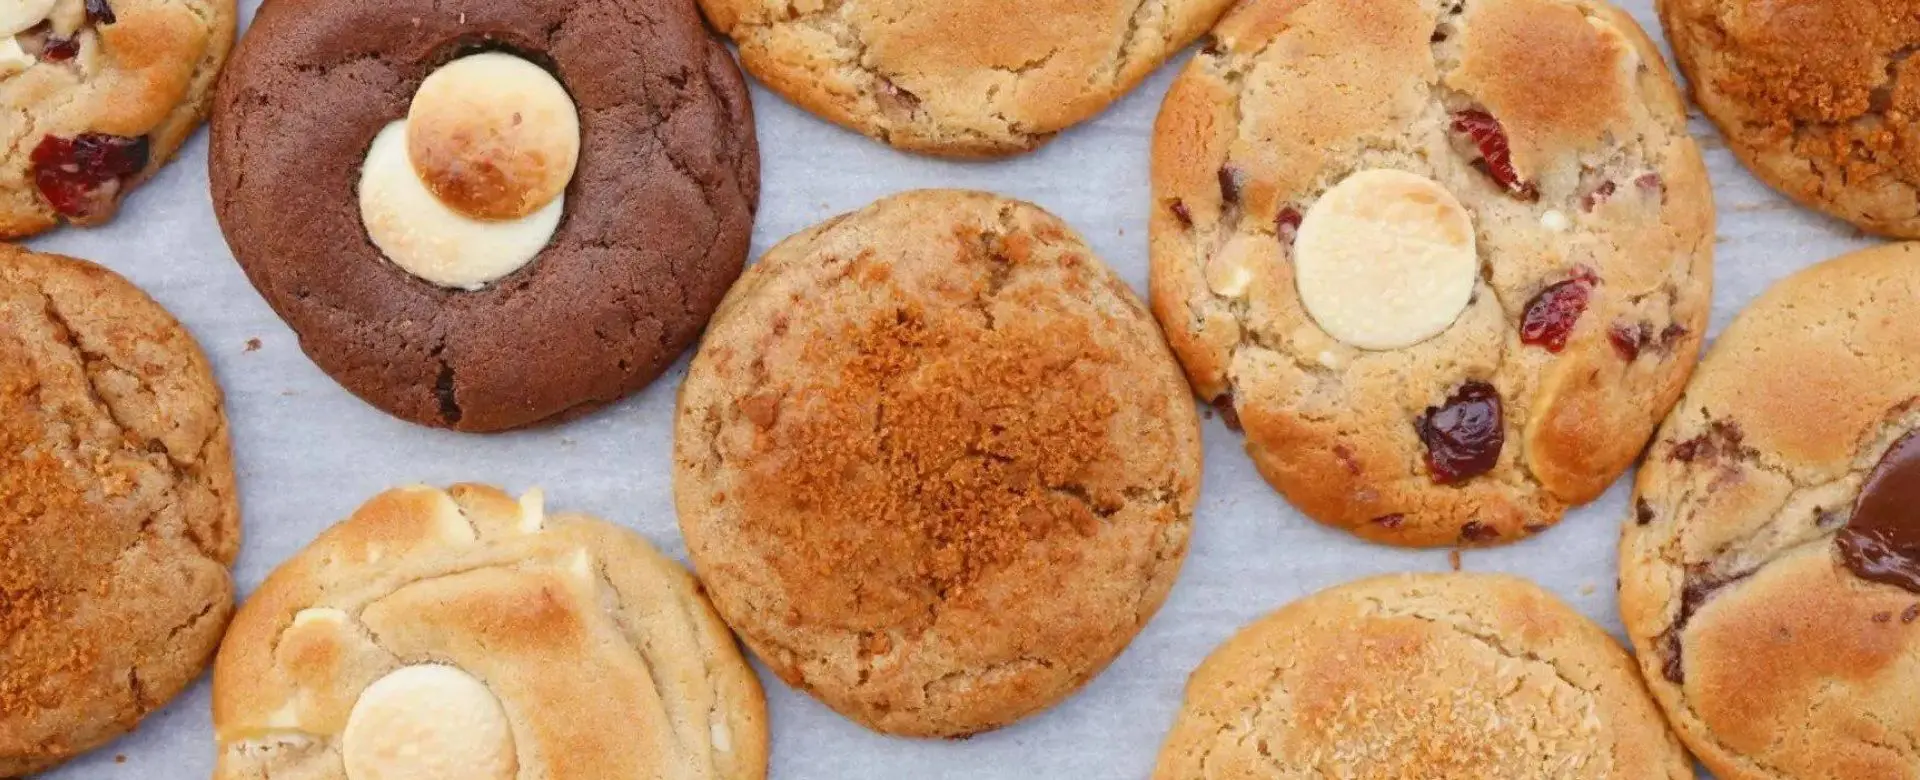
(1770, 573)
(935, 464)
(1445, 676)
(1448, 288)
(964, 78)
(486, 214)
(465, 634)
(118, 513)
(1819, 99)
(100, 94)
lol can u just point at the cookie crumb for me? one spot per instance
(1453, 559)
(253, 345)
(120, 758)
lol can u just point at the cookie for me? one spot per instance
(1454, 676)
(118, 514)
(466, 634)
(1818, 99)
(1770, 571)
(1447, 287)
(486, 214)
(935, 463)
(964, 78)
(100, 94)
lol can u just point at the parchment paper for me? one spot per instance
(308, 452)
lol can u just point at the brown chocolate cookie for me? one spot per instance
(118, 514)
(619, 278)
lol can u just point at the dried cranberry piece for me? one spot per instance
(1228, 414)
(1551, 315)
(1230, 184)
(79, 175)
(58, 49)
(1180, 212)
(1464, 436)
(99, 12)
(1476, 532)
(1628, 340)
(1390, 521)
(1599, 195)
(1288, 225)
(1496, 157)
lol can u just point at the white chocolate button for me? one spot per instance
(16, 16)
(429, 240)
(1385, 260)
(428, 722)
(493, 136)
(13, 59)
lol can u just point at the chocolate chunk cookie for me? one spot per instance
(1819, 99)
(99, 94)
(1446, 677)
(118, 514)
(466, 634)
(484, 214)
(1770, 572)
(935, 463)
(1446, 283)
(962, 78)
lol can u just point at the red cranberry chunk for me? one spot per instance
(1629, 339)
(1182, 213)
(1496, 156)
(58, 49)
(1599, 195)
(1552, 315)
(1464, 436)
(80, 176)
(1288, 225)
(1230, 184)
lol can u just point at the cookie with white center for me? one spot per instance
(495, 212)
(463, 634)
(1770, 571)
(1447, 287)
(99, 95)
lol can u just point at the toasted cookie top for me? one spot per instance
(1454, 676)
(1770, 573)
(465, 634)
(967, 78)
(118, 513)
(1447, 285)
(935, 463)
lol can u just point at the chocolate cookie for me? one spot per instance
(1436, 676)
(1770, 572)
(484, 214)
(465, 634)
(1448, 285)
(935, 463)
(962, 78)
(99, 95)
(1819, 99)
(118, 515)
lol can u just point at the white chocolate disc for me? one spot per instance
(1386, 260)
(428, 722)
(422, 235)
(16, 16)
(493, 136)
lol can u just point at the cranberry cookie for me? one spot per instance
(1820, 99)
(484, 214)
(1770, 573)
(935, 463)
(99, 94)
(118, 514)
(467, 634)
(962, 78)
(1447, 284)
(1435, 676)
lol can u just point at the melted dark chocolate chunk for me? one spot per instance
(1699, 587)
(1881, 542)
(1642, 512)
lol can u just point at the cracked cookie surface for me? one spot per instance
(656, 225)
(935, 463)
(965, 78)
(1820, 99)
(118, 513)
(1445, 676)
(1592, 220)
(1771, 656)
(581, 651)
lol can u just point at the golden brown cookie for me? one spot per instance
(1819, 99)
(1433, 676)
(962, 78)
(935, 463)
(1447, 284)
(1770, 573)
(118, 514)
(465, 634)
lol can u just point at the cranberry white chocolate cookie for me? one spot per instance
(1446, 262)
(466, 635)
(98, 95)
(1770, 570)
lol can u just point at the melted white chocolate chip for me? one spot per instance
(1385, 260)
(428, 722)
(17, 16)
(13, 59)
